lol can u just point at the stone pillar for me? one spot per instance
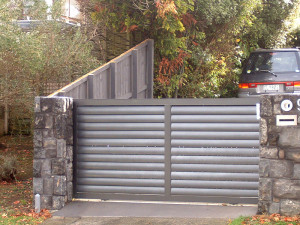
(53, 151)
(279, 167)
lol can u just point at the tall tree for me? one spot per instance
(199, 44)
(51, 53)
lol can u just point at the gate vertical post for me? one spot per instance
(168, 151)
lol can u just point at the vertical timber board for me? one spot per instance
(142, 72)
(101, 84)
(150, 68)
(123, 78)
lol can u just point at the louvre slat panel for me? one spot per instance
(214, 110)
(215, 135)
(214, 176)
(216, 160)
(111, 110)
(216, 143)
(214, 168)
(121, 142)
(120, 189)
(121, 134)
(250, 127)
(214, 184)
(121, 126)
(120, 174)
(120, 118)
(169, 150)
(214, 118)
(252, 152)
(121, 182)
(120, 158)
(121, 150)
(215, 192)
(117, 166)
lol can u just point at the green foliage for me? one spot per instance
(8, 166)
(215, 35)
(51, 53)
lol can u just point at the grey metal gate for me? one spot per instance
(167, 150)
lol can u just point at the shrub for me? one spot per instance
(8, 166)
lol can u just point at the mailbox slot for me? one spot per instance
(286, 120)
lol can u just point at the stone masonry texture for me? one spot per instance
(53, 151)
(279, 167)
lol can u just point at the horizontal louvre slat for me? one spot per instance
(111, 110)
(214, 184)
(214, 118)
(120, 158)
(120, 118)
(121, 150)
(120, 174)
(121, 182)
(217, 151)
(121, 134)
(120, 189)
(216, 143)
(216, 160)
(121, 142)
(121, 126)
(214, 110)
(214, 192)
(119, 166)
(215, 135)
(215, 168)
(214, 176)
(215, 126)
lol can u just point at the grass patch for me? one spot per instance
(274, 219)
(16, 197)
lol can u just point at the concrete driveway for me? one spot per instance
(141, 213)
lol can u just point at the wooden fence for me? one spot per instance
(130, 75)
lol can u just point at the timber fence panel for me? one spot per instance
(130, 75)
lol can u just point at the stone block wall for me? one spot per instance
(279, 168)
(53, 151)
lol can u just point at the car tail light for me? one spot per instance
(297, 84)
(244, 85)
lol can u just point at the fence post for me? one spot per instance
(134, 73)
(112, 80)
(150, 68)
(90, 86)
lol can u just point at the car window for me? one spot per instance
(273, 62)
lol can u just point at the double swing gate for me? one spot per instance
(167, 150)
